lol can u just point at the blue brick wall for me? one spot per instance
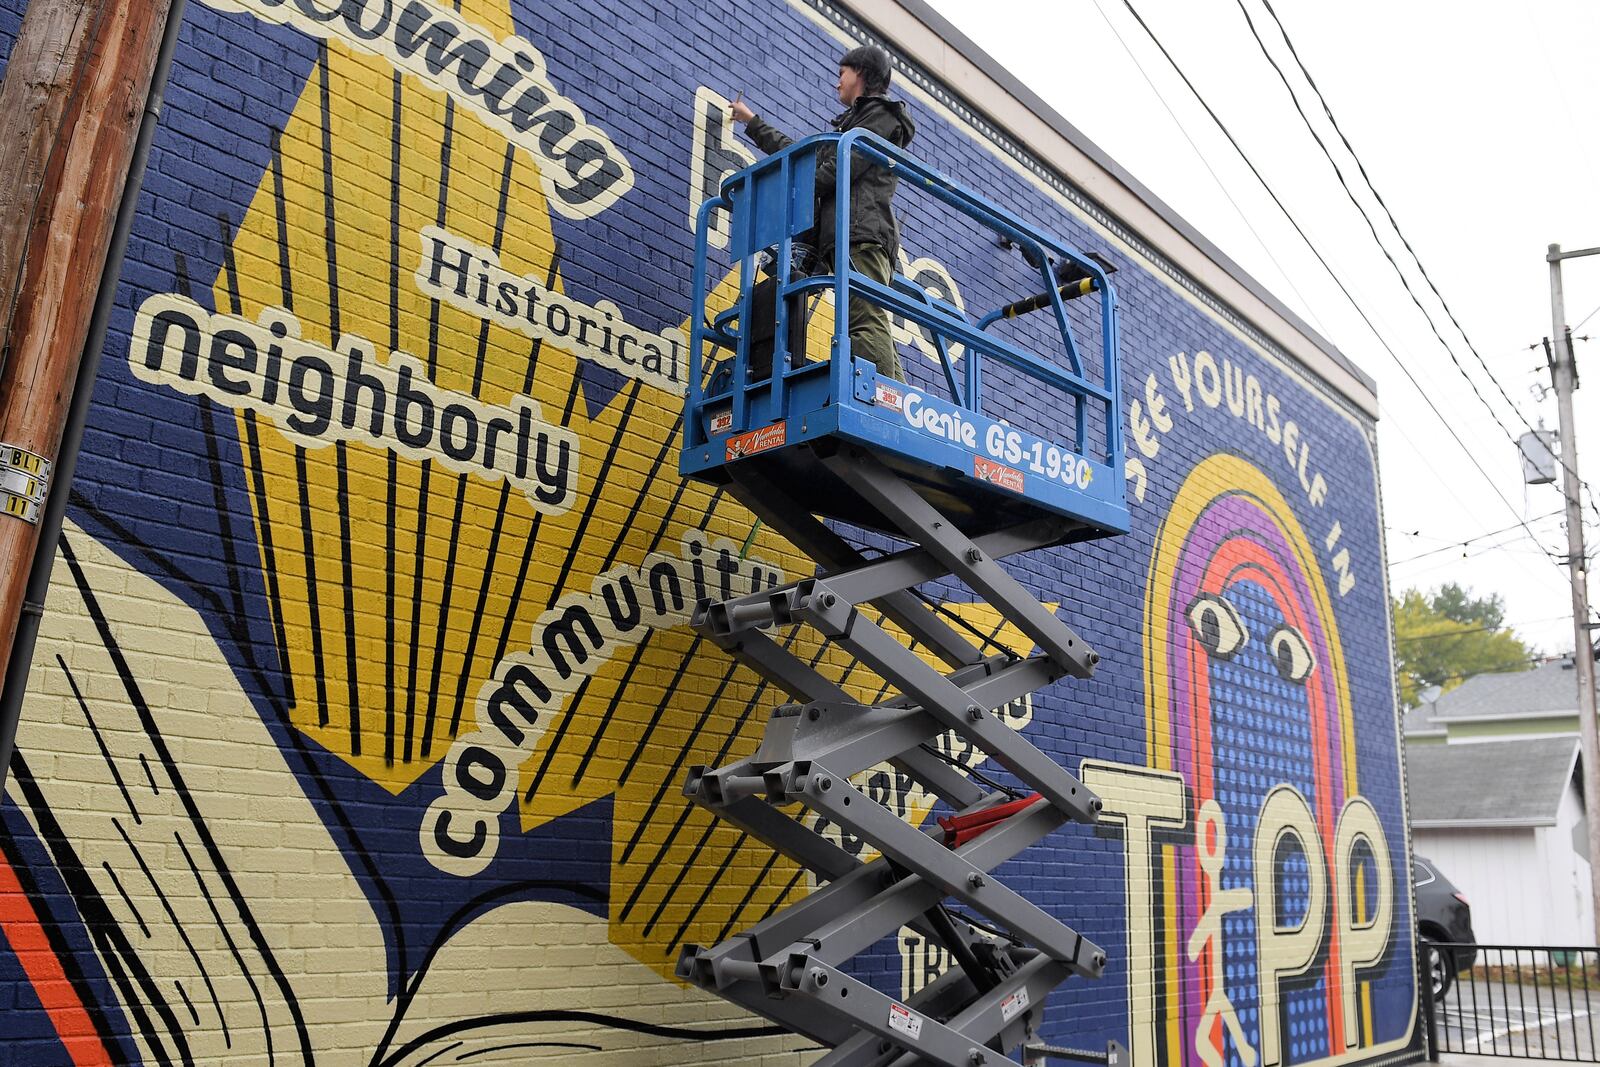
(268, 649)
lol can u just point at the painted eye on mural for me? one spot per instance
(1290, 654)
(1217, 626)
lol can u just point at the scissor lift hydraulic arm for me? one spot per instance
(830, 440)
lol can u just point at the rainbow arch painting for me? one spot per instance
(1273, 894)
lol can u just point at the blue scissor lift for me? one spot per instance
(830, 439)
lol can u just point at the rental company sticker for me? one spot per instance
(1014, 1005)
(748, 444)
(997, 474)
(889, 397)
(905, 1020)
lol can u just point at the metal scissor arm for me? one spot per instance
(792, 966)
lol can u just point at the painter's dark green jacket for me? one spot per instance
(871, 186)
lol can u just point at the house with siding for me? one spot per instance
(1541, 702)
(1496, 803)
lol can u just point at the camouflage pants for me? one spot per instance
(869, 324)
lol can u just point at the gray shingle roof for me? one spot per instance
(1420, 719)
(1551, 687)
(1489, 782)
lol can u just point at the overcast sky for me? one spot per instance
(1478, 124)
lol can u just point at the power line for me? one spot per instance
(1393, 223)
(1361, 168)
(1452, 546)
(1350, 194)
(1504, 627)
(1395, 424)
(1221, 185)
(1449, 428)
(1509, 547)
(1586, 318)
(1510, 667)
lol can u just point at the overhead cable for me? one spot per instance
(1395, 225)
(1427, 399)
(1454, 545)
(1503, 628)
(1216, 178)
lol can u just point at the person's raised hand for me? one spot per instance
(741, 111)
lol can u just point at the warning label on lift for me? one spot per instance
(748, 444)
(1014, 1005)
(905, 1020)
(997, 474)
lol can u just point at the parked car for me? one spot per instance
(1444, 920)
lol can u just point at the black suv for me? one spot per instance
(1443, 915)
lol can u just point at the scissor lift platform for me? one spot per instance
(972, 506)
(985, 472)
(832, 440)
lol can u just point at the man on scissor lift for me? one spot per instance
(874, 235)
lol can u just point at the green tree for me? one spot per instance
(1446, 635)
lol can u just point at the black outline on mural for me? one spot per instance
(331, 243)
(109, 1038)
(136, 700)
(615, 1022)
(461, 491)
(552, 747)
(279, 702)
(494, 542)
(127, 798)
(446, 142)
(257, 485)
(103, 928)
(328, 805)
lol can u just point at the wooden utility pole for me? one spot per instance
(1563, 370)
(71, 106)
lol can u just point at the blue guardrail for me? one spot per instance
(981, 464)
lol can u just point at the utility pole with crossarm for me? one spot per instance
(1564, 371)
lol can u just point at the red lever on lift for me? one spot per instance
(959, 829)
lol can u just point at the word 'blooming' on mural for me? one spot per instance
(571, 642)
(469, 276)
(503, 83)
(318, 395)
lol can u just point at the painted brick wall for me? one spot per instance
(245, 823)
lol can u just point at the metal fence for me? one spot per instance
(1525, 1001)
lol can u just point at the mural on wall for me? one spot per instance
(364, 693)
(1250, 736)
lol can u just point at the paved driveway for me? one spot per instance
(1554, 1020)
